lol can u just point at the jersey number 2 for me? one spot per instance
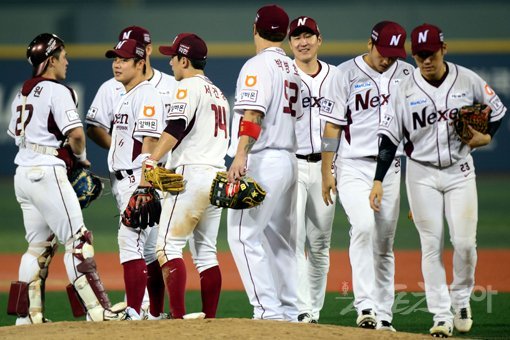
(220, 118)
(30, 110)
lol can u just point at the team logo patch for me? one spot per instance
(489, 90)
(181, 93)
(248, 96)
(386, 120)
(72, 115)
(91, 113)
(250, 81)
(496, 103)
(149, 111)
(147, 125)
(177, 108)
(327, 105)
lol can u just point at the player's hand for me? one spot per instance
(237, 168)
(328, 188)
(376, 196)
(479, 139)
(85, 164)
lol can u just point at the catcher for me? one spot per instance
(197, 136)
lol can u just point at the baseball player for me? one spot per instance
(362, 93)
(314, 218)
(263, 239)
(197, 136)
(44, 117)
(137, 125)
(99, 121)
(440, 176)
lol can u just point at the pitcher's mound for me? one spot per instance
(243, 329)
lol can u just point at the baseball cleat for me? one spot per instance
(441, 329)
(132, 314)
(194, 316)
(384, 325)
(162, 316)
(366, 319)
(463, 320)
(305, 318)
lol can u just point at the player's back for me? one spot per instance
(270, 83)
(207, 113)
(49, 113)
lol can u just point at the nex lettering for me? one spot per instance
(362, 103)
(422, 119)
(312, 101)
(120, 118)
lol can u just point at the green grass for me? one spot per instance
(102, 218)
(490, 311)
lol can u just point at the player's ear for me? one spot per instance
(148, 49)
(444, 49)
(254, 29)
(369, 44)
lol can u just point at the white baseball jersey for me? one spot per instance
(362, 96)
(269, 83)
(111, 91)
(207, 113)
(316, 92)
(423, 115)
(138, 114)
(50, 112)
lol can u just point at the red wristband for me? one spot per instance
(249, 129)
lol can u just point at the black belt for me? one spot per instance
(120, 174)
(311, 158)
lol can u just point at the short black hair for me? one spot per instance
(197, 64)
(271, 36)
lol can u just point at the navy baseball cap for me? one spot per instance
(303, 24)
(272, 19)
(426, 38)
(138, 33)
(187, 44)
(389, 38)
(129, 48)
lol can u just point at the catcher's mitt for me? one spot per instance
(87, 186)
(164, 179)
(148, 211)
(476, 116)
(244, 194)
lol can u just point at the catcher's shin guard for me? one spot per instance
(87, 293)
(26, 299)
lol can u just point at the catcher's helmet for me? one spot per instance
(41, 48)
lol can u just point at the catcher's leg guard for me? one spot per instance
(87, 293)
(26, 299)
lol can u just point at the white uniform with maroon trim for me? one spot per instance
(47, 199)
(263, 239)
(138, 114)
(362, 98)
(314, 218)
(440, 177)
(198, 156)
(101, 113)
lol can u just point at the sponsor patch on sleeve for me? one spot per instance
(327, 105)
(177, 108)
(72, 115)
(496, 103)
(148, 125)
(385, 121)
(248, 96)
(91, 113)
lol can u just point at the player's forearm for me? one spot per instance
(99, 136)
(76, 140)
(330, 142)
(164, 146)
(148, 147)
(249, 131)
(387, 151)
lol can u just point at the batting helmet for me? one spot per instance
(40, 49)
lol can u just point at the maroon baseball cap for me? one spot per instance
(272, 19)
(303, 24)
(187, 44)
(389, 38)
(138, 33)
(129, 48)
(426, 38)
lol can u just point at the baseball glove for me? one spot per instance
(164, 179)
(87, 186)
(244, 194)
(148, 211)
(476, 116)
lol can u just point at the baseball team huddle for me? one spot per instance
(305, 131)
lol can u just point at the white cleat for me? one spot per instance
(132, 314)
(194, 316)
(441, 329)
(384, 325)
(463, 320)
(366, 319)
(162, 316)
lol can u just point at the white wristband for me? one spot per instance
(81, 157)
